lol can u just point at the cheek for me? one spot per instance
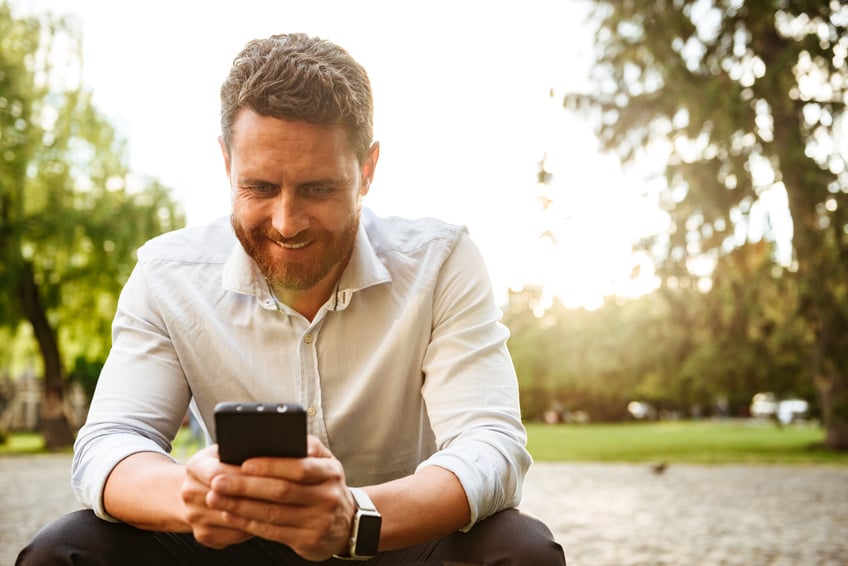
(247, 212)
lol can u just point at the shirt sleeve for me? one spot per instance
(141, 396)
(471, 389)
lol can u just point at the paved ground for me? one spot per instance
(604, 514)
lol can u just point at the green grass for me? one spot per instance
(33, 443)
(23, 443)
(706, 442)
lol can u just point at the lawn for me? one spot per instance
(22, 443)
(708, 442)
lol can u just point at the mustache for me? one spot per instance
(277, 238)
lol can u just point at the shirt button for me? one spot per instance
(308, 339)
(311, 411)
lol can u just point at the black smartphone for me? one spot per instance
(249, 430)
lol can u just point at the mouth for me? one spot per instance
(294, 246)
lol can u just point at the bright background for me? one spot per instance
(463, 110)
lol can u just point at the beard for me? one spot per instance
(327, 250)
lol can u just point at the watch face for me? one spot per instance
(368, 535)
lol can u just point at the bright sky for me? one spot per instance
(462, 111)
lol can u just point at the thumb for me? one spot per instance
(315, 449)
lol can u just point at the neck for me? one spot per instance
(307, 302)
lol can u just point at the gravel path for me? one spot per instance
(619, 514)
(604, 514)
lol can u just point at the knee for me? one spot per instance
(532, 542)
(47, 547)
(515, 538)
(76, 538)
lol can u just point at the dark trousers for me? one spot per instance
(80, 538)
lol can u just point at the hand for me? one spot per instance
(211, 527)
(303, 503)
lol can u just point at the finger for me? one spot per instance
(240, 512)
(309, 470)
(316, 508)
(205, 465)
(219, 537)
(314, 531)
(198, 513)
(259, 488)
(193, 492)
(306, 530)
(287, 467)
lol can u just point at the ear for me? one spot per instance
(369, 167)
(226, 154)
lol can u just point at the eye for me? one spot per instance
(260, 189)
(320, 191)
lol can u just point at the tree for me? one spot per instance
(745, 99)
(70, 217)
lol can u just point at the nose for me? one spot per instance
(289, 216)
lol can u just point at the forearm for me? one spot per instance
(421, 507)
(144, 490)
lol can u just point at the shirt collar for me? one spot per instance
(364, 268)
(241, 275)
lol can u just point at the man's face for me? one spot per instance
(297, 193)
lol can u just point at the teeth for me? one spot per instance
(294, 246)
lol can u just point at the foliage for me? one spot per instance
(71, 216)
(85, 372)
(686, 352)
(745, 101)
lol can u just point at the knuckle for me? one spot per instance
(205, 537)
(191, 495)
(313, 542)
(337, 471)
(280, 491)
(270, 514)
(191, 515)
(301, 474)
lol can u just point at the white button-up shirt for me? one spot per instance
(405, 365)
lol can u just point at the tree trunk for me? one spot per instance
(54, 422)
(833, 396)
(836, 437)
(817, 250)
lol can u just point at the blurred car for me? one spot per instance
(640, 410)
(763, 405)
(786, 411)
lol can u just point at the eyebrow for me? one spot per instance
(333, 182)
(252, 181)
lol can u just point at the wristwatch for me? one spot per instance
(365, 530)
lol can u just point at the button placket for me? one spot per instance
(311, 382)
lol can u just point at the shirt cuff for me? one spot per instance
(489, 486)
(90, 471)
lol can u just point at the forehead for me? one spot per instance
(251, 129)
(289, 151)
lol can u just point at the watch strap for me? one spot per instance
(365, 528)
(362, 500)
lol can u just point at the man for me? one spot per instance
(384, 329)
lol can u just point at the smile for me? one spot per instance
(293, 246)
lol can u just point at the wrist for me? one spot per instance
(364, 538)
